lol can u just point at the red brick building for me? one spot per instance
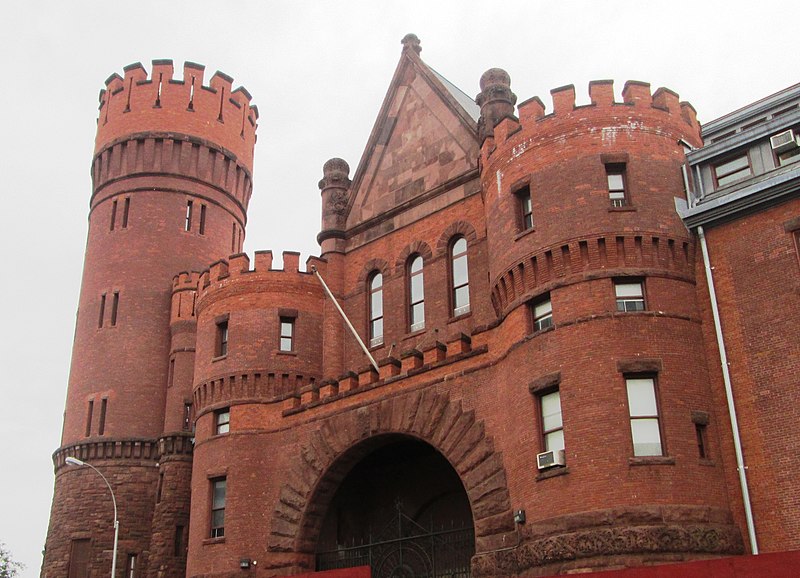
(542, 393)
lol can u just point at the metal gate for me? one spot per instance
(406, 549)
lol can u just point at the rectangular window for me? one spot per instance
(187, 416)
(89, 413)
(178, 542)
(113, 215)
(103, 407)
(222, 421)
(552, 424)
(643, 408)
(202, 219)
(732, 170)
(287, 334)
(525, 208)
(542, 312)
(233, 237)
(630, 295)
(171, 373)
(160, 488)
(218, 491)
(130, 566)
(114, 308)
(702, 445)
(188, 221)
(102, 310)
(221, 348)
(125, 211)
(617, 194)
(79, 558)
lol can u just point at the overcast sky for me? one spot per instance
(318, 72)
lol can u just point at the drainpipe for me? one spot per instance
(726, 377)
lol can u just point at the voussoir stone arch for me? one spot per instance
(344, 439)
(373, 265)
(453, 230)
(420, 248)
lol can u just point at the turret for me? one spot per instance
(172, 178)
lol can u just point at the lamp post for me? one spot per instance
(76, 462)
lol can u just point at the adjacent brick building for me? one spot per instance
(543, 391)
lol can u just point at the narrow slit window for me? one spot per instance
(525, 205)
(102, 310)
(178, 541)
(130, 567)
(222, 339)
(188, 221)
(187, 417)
(126, 209)
(218, 494)
(416, 292)
(114, 308)
(376, 310)
(89, 413)
(233, 238)
(160, 488)
(113, 215)
(202, 219)
(287, 334)
(103, 408)
(171, 373)
(459, 277)
(702, 444)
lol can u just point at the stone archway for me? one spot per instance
(344, 439)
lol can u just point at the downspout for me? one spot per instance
(726, 377)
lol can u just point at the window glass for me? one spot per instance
(643, 408)
(416, 295)
(376, 310)
(630, 296)
(223, 421)
(641, 397)
(732, 170)
(542, 315)
(460, 277)
(552, 426)
(646, 437)
(287, 334)
(218, 494)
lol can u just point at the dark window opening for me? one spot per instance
(130, 566)
(202, 219)
(103, 408)
(89, 413)
(222, 339)
(187, 416)
(113, 215)
(125, 211)
(178, 542)
(702, 444)
(102, 310)
(114, 308)
(188, 221)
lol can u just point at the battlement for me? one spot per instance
(185, 281)
(138, 103)
(659, 108)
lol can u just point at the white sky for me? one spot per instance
(318, 72)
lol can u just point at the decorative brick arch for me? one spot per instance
(420, 248)
(457, 228)
(344, 439)
(370, 266)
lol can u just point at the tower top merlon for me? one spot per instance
(158, 103)
(495, 99)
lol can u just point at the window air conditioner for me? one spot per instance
(783, 141)
(549, 459)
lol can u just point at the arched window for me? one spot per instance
(376, 309)
(416, 295)
(459, 276)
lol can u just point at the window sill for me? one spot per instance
(706, 462)
(416, 333)
(542, 331)
(552, 473)
(290, 353)
(625, 209)
(460, 317)
(209, 541)
(524, 233)
(219, 358)
(652, 461)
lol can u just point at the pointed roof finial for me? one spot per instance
(411, 42)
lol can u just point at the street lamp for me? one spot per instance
(76, 462)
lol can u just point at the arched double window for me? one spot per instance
(416, 294)
(375, 309)
(459, 276)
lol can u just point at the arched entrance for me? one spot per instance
(402, 510)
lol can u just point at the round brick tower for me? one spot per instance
(590, 258)
(171, 184)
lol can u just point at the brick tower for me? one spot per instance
(171, 183)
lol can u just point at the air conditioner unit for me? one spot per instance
(550, 459)
(784, 141)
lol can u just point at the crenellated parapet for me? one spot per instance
(161, 103)
(184, 297)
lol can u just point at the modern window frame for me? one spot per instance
(222, 421)
(644, 411)
(631, 302)
(286, 336)
(219, 496)
(617, 185)
(459, 288)
(724, 179)
(375, 309)
(524, 208)
(416, 293)
(551, 423)
(541, 311)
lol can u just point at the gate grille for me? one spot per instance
(405, 549)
